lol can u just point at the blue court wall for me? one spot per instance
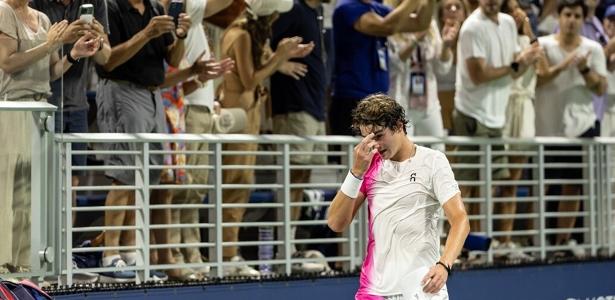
(571, 281)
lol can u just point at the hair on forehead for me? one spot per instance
(379, 110)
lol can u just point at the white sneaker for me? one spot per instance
(514, 253)
(240, 270)
(317, 266)
(577, 251)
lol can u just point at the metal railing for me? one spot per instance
(534, 221)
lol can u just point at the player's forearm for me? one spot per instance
(340, 212)
(460, 227)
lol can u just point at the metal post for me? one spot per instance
(352, 232)
(541, 201)
(142, 215)
(287, 230)
(218, 201)
(592, 201)
(488, 197)
(68, 213)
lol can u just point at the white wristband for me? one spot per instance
(351, 186)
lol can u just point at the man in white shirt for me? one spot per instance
(489, 57)
(199, 101)
(572, 70)
(406, 187)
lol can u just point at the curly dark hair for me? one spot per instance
(379, 110)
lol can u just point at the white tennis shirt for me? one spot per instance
(404, 201)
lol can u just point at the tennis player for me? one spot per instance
(406, 186)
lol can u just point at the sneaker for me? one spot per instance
(240, 270)
(119, 276)
(82, 262)
(577, 251)
(319, 265)
(156, 275)
(514, 253)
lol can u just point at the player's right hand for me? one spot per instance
(363, 154)
(159, 25)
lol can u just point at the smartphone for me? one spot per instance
(176, 8)
(86, 13)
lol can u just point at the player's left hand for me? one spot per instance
(435, 279)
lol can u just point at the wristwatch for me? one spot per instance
(514, 66)
(71, 59)
(584, 70)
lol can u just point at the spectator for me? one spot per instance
(520, 123)
(489, 57)
(28, 61)
(573, 69)
(451, 13)
(593, 30)
(199, 106)
(129, 101)
(360, 29)
(415, 59)
(69, 93)
(607, 128)
(245, 42)
(298, 90)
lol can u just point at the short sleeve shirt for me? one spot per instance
(357, 59)
(75, 80)
(404, 202)
(33, 80)
(146, 67)
(565, 103)
(496, 43)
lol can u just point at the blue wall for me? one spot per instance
(574, 281)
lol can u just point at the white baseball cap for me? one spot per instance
(267, 7)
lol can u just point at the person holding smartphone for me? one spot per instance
(143, 39)
(72, 115)
(28, 61)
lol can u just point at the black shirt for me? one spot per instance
(146, 68)
(308, 93)
(76, 78)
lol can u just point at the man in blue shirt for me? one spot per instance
(360, 30)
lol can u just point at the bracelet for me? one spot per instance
(182, 37)
(71, 59)
(447, 268)
(351, 185)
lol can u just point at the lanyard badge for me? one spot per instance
(418, 82)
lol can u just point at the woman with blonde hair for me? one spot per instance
(245, 41)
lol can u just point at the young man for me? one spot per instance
(406, 186)
(572, 70)
(489, 58)
(199, 100)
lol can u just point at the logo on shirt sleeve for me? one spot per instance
(413, 177)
